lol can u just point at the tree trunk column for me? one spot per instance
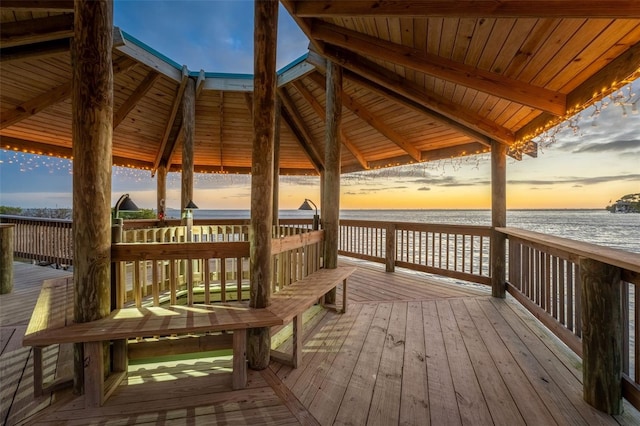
(161, 192)
(601, 335)
(92, 128)
(276, 165)
(6, 257)
(188, 125)
(264, 98)
(331, 210)
(498, 217)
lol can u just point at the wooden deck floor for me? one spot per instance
(410, 350)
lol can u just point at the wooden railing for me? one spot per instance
(214, 269)
(42, 240)
(454, 251)
(544, 276)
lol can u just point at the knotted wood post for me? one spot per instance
(331, 209)
(390, 247)
(161, 192)
(601, 335)
(92, 130)
(188, 126)
(498, 217)
(6, 257)
(276, 165)
(264, 98)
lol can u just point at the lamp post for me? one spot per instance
(316, 219)
(124, 204)
(188, 216)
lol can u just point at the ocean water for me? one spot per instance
(616, 230)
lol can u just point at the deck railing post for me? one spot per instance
(498, 218)
(390, 247)
(6, 258)
(601, 335)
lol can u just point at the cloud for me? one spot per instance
(424, 188)
(615, 146)
(576, 180)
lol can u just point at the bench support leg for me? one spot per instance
(37, 372)
(344, 296)
(93, 374)
(239, 375)
(296, 358)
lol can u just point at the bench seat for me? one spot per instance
(138, 322)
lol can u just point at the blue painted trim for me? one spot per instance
(130, 38)
(293, 64)
(222, 75)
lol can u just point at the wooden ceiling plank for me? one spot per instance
(467, 8)
(135, 97)
(43, 148)
(320, 111)
(298, 128)
(41, 5)
(171, 119)
(622, 69)
(36, 30)
(376, 122)
(412, 91)
(36, 50)
(49, 98)
(446, 69)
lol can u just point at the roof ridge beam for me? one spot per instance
(321, 112)
(36, 30)
(443, 68)
(51, 97)
(298, 127)
(384, 77)
(142, 89)
(172, 117)
(468, 9)
(361, 111)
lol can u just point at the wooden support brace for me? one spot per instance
(93, 374)
(298, 334)
(239, 377)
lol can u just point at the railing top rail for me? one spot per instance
(33, 219)
(620, 258)
(415, 225)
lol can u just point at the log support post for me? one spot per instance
(188, 128)
(264, 83)
(6, 257)
(92, 130)
(276, 166)
(390, 247)
(601, 335)
(331, 209)
(161, 192)
(498, 218)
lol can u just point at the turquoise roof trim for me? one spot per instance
(130, 38)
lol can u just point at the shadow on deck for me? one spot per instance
(411, 349)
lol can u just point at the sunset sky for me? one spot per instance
(586, 169)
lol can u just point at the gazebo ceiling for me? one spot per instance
(423, 80)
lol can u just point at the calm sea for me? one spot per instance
(618, 230)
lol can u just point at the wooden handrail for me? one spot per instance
(620, 258)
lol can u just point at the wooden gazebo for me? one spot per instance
(384, 84)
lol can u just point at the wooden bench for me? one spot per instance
(53, 309)
(293, 300)
(134, 322)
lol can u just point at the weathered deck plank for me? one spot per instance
(410, 350)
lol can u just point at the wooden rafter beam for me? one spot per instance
(320, 63)
(382, 76)
(170, 120)
(42, 148)
(321, 112)
(443, 68)
(135, 97)
(40, 5)
(468, 8)
(200, 83)
(376, 122)
(625, 68)
(37, 50)
(36, 30)
(51, 97)
(297, 126)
